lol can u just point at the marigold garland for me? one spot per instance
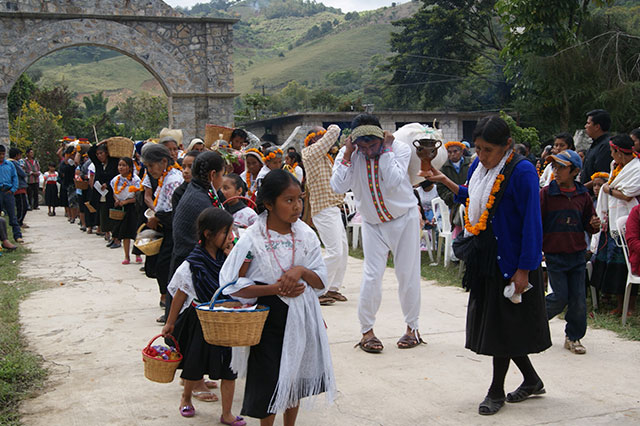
(484, 217)
(273, 154)
(600, 175)
(160, 182)
(115, 187)
(456, 144)
(310, 136)
(256, 151)
(290, 168)
(615, 173)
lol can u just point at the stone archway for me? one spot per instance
(190, 57)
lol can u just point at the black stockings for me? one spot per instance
(500, 368)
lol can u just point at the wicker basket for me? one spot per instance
(116, 214)
(231, 328)
(160, 370)
(212, 134)
(81, 184)
(151, 248)
(119, 147)
(89, 207)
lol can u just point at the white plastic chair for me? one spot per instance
(350, 209)
(631, 278)
(461, 212)
(444, 229)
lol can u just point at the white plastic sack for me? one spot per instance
(416, 131)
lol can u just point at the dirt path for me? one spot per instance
(91, 330)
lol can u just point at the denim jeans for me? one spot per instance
(8, 204)
(567, 278)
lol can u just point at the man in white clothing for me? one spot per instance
(375, 168)
(324, 202)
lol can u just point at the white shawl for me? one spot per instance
(480, 186)
(609, 208)
(305, 366)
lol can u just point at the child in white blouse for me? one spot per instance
(233, 187)
(278, 263)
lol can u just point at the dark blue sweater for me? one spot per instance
(517, 224)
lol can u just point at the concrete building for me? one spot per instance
(456, 126)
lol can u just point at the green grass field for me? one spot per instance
(21, 371)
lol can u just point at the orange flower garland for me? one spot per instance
(115, 187)
(310, 136)
(600, 175)
(160, 182)
(273, 154)
(484, 217)
(615, 173)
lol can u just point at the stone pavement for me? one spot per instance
(91, 325)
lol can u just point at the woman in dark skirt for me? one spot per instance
(125, 229)
(106, 170)
(502, 249)
(195, 281)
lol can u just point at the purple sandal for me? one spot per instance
(239, 421)
(188, 411)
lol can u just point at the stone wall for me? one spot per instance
(190, 57)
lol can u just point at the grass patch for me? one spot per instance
(20, 370)
(442, 276)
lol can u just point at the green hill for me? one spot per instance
(272, 46)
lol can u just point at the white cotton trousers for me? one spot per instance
(402, 237)
(329, 224)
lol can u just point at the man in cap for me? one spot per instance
(375, 168)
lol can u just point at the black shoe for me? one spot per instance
(524, 392)
(115, 245)
(83, 228)
(110, 243)
(161, 319)
(490, 406)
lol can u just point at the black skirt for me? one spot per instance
(127, 227)
(62, 197)
(199, 357)
(263, 368)
(495, 325)
(51, 195)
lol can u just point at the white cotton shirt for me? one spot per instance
(124, 194)
(392, 178)
(172, 180)
(245, 217)
(183, 280)
(263, 267)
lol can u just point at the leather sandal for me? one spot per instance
(524, 392)
(372, 345)
(409, 341)
(490, 406)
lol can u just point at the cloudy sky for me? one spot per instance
(345, 5)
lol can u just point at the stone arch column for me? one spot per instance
(184, 72)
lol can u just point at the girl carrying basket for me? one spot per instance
(195, 281)
(278, 262)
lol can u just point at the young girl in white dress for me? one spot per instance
(278, 263)
(125, 229)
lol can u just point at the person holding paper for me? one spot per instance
(502, 244)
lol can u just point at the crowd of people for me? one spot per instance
(237, 218)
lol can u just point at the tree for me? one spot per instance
(95, 104)
(256, 102)
(20, 93)
(440, 45)
(323, 100)
(37, 128)
(59, 100)
(144, 116)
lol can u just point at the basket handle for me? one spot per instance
(160, 335)
(240, 197)
(215, 299)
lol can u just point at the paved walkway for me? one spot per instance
(91, 326)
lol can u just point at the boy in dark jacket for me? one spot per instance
(567, 213)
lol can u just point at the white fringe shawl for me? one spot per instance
(480, 186)
(306, 368)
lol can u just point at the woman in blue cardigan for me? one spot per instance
(502, 249)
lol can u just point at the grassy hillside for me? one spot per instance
(311, 62)
(268, 47)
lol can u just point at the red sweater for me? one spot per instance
(633, 239)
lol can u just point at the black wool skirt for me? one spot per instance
(127, 227)
(198, 356)
(498, 327)
(51, 195)
(263, 368)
